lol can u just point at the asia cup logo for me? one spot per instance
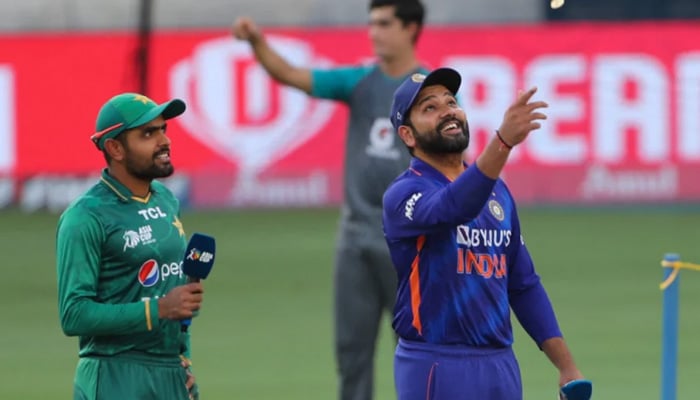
(131, 239)
(149, 273)
(238, 111)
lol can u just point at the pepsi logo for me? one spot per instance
(149, 273)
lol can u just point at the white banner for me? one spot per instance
(7, 119)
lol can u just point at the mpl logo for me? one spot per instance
(238, 111)
(149, 273)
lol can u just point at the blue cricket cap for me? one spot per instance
(406, 94)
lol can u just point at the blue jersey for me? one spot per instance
(461, 261)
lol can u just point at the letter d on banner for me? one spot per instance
(7, 119)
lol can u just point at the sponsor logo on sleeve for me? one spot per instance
(411, 204)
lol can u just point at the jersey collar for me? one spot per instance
(120, 190)
(422, 168)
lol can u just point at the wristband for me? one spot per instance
(503, 142)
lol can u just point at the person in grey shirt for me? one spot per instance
(364, 278)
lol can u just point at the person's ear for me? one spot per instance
(413, 28)
(115, 149)
(407, 135)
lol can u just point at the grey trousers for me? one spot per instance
(364, 287)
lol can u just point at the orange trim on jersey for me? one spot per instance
(431, 376)
(149, 324)
(414, 284)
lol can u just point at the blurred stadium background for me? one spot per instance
(606, 188)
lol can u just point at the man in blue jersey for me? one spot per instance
(364, 279)
(455, 240)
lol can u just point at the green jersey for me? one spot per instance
(116, 255)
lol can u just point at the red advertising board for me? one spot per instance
(623, 123)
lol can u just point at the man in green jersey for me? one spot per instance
(119, 254)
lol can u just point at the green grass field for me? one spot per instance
(265, 329)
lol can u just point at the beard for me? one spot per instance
(147, 171)
(433, 142)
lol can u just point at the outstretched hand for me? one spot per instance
(244, 28)
(521, 118)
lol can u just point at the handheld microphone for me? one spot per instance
(578, 389)
(197, 262)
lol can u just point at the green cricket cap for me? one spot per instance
(129, 110)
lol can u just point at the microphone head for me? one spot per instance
(199, 256)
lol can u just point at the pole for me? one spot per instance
(144, 45)
(669, 334)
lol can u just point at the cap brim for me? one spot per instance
(169, 109)
(446, 77)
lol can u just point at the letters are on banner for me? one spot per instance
(622, 124)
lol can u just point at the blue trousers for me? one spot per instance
(451, 372)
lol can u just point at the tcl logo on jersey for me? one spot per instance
(152, 213)
(150, 272)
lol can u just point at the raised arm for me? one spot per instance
(244, 28)
(519, 120)
(412, 208)
(416, 206)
